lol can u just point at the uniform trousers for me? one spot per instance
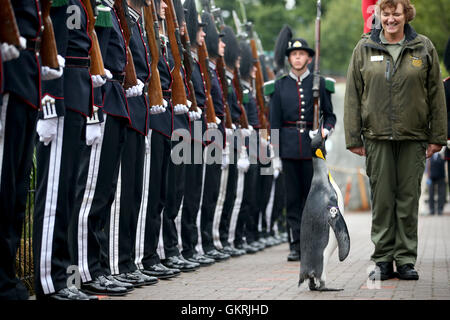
(126, 205)
(279, 203)
(149, 220)
(174, 197)
(395, 170)
(57, 173)
(263, 200)
(246, 222)
(96, 190)
(16, 153)
(298, 175)
(191, 201)
(230, 197)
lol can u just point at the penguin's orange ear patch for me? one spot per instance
(319, 154)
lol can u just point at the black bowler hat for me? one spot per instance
(299, 44)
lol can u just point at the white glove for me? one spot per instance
(229, 132)
(225, 157)
(97, 80)
(47, 129)
(9, 52)
(194, 115)
(108, 74)
(180, 109)
(147, 145)
(135, 90)
(48, 73)
(243, 163)
(212, 125)
(448, 143)
(326, 132)
(158, 108)
(218, 121)
(245, 132)
(93, 133)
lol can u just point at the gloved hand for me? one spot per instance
(448, 144)
(218, 121)
(243, 163)
(277, 166)
(48, 73)
(326, 133)
(158, 108)
(47, 129)
(93, 134)
(108, 74)
(212, 125)
(245, 132)
(135, 90)
(97, 80)
(180, 109)
(10, 52)
(229, 132)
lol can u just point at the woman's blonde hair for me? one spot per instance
(408, 8)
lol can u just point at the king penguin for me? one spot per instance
(323, 227)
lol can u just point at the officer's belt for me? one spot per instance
(78, 62)
(300, 125)
(118, 76)
(34, 44)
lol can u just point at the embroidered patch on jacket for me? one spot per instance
(416, 62)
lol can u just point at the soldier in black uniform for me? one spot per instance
(291, 112)
(126, 207)
(194, 170)
(245, 237)
(100, 167)
(212, 175)
(231, 58)
(19, 113)
(447, 99)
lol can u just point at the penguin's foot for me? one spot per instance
(319, 285)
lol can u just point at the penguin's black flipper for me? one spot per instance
(337, 223)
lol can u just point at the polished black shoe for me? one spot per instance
(71, 293)
(160, 271)
(258, 245)
(148, 280)
(216, 255)
(294, 255)
(270, 241)
(182, 265)
(119, 283)
(248, 248)
(130, 278)
(382, 271)
(202, 260)
(103, 286)
(233, 252)
(407, 272)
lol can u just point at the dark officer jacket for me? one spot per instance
(235, 110)
(197, 78)
(138, 106)
(218, 101)
(292, 101)
(447, 100)
(112, 45)
(21, 76)
(251, 109)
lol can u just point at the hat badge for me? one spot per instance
(297, 44)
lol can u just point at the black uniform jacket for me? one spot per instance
(447, 100)
(292, 101)
(217, 97)
(21, 76)
(138, 106)
(197, 78)
(112, 44)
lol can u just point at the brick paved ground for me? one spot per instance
(268, 276)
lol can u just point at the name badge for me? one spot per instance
(376, 58)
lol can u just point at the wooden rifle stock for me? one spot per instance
(173, 32)
(220, 66)
(259, 83)
(243, 121)
(204, 63)
(188, 63)
(48, 50)
(97, 67)
(316, 80)
(130, 71)
(9, 31)
(155, 95)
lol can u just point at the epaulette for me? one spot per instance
(59, 3)
(269, 87)
(329, 84)
(104, 17)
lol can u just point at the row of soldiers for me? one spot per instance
(137, 85)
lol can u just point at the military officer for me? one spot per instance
(291, 112)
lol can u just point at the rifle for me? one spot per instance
(173, 31)
(97, 67)
(204, 64)
(48, 51)
(130, 71)
(243, 121)
(220, 63)
(155, 95)
(188, 63)
(9, 31)
(316, 80)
